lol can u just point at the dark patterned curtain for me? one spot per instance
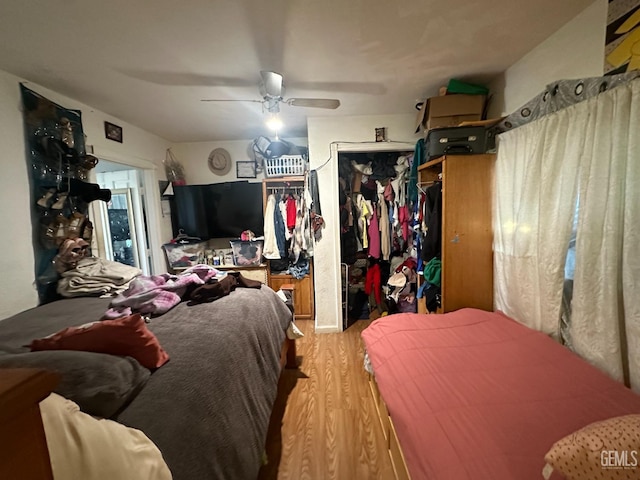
(58, 169)
(562, 94)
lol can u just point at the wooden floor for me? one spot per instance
(328, 428)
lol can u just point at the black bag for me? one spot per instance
(458, 141)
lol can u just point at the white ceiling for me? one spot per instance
(150, 63)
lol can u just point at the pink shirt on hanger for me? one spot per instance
(374, 236)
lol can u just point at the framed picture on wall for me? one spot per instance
(246, 169)
(113, 132)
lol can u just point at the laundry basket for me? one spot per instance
(285, 166)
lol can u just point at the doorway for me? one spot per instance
(355, 258)
(120, 234)
(121, 229)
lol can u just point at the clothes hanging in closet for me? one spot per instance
(374, 211)
(270, 248)
(287, 231)
(432, 220)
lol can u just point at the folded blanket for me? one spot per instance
(96, 276)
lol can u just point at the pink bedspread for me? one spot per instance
(476, 395)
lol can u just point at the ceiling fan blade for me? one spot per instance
(229, 100)
(314, 102)
(272, 84)
(184, 79)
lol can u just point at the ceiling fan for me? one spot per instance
(272, 91)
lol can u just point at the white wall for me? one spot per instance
(17, 261)
(323, 131)
(574, 51)
(194, 156)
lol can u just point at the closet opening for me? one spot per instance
(374, 215)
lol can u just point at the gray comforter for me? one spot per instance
(208, 408)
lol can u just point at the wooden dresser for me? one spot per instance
(23, 445)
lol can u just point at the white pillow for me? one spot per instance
(81, 446)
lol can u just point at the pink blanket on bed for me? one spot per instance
(157, 294)
(476, 395)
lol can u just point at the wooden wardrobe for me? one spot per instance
(467, 234)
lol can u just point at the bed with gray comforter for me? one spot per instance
(208, 408)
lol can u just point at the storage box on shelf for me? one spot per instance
(247, 253)
(184, 255)
(285, 165)
(449, 111)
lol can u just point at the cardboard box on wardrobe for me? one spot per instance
(450, 111)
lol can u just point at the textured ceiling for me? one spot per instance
(150, 63)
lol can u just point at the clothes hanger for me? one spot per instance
(184, 238)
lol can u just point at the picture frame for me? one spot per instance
(113, 132)
(246, 169)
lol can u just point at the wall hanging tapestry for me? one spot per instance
(58, 172)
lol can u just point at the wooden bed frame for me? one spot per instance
(288, 354)
(400, 469)
(23, 446)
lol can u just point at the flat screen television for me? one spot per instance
(218, 210)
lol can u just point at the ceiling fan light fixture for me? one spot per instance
(272, 105)
(272, 91)
(274, 123)
(272, 85)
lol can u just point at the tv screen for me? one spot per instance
(219, 210)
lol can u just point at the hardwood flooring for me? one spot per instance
(325, 425)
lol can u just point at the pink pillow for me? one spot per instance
(605, 449)
(126, 336)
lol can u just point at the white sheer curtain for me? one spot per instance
(534, 204)
(589, 153)
(605, 320)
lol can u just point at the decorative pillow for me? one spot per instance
(126, 336)
(82, 447)
(100, 384)
(606, 449)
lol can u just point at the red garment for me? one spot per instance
(403, 218)
(291, 213)
(372, 281)
(409, 262)
(374, 235)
